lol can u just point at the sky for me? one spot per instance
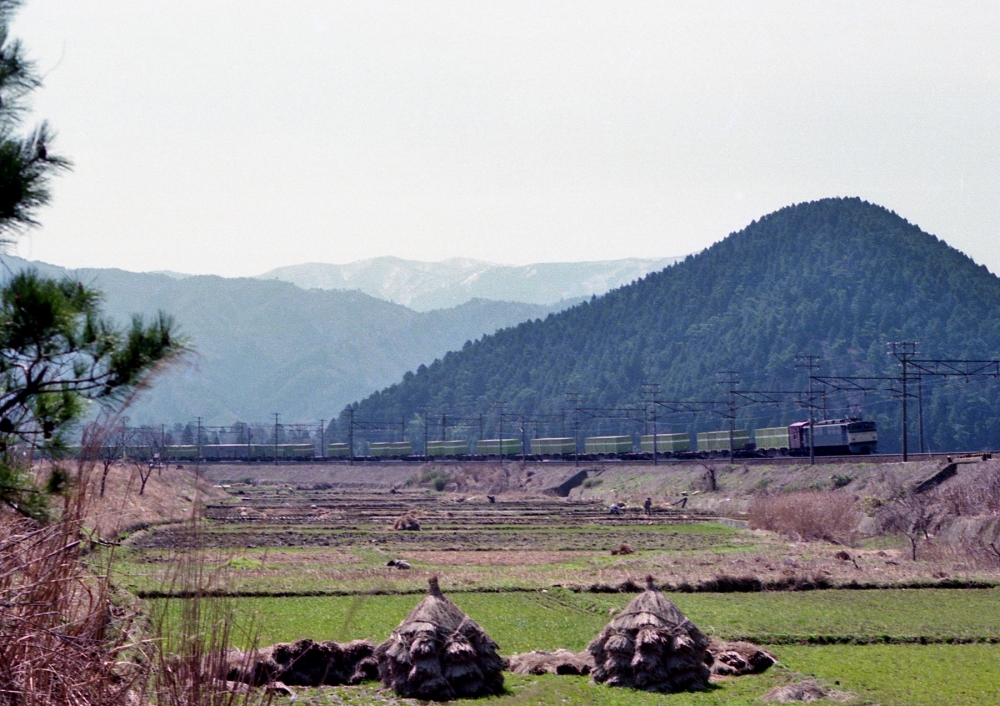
(232, 137)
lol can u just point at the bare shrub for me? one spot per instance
(810, 515)
(907, 513)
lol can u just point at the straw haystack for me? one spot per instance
(408, 522)
(304, 663)
(651, 645)
(439, 653)
(558, 662)
(735, 659)
(805, 691)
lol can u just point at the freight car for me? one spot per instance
(257, 452)
(491, 447)
(448, 448)
(666, 443)
(337, 450)
(772, 441)
(553, 446)
(717, 442)
(608, 445)
(390, 449)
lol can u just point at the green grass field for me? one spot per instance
(521, 622)
(888, 674)
(904, 675)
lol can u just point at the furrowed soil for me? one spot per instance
(302, 551)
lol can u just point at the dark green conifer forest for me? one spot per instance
(838, 278)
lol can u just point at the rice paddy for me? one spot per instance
(537, 576)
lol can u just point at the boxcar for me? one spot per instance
(608, 444)
(389, 449)
(455, 447)
(491, 447)
(180, 451)
(719, 440)
(553, 446)
(771, 439)
(337, 450)
(666, 443)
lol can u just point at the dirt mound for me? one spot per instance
(650, 645)
(305, 663)
(805, 691)
(439, 653)
(558, 662)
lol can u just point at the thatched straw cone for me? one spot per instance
(439, 653)
(651, 645)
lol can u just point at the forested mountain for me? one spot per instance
(435, 285)
(268, 346)
(838, 278)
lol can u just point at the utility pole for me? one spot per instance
(574, 399)
(500, 451)
(427, 454)
(350, 436)
(524, 441)
(920, 408)
(482, 427)
(444, 427)
(730, 378)
(903, 351)
(322, 438)
(810, 363)
(653, 388)
(198, 463)
(276, 417)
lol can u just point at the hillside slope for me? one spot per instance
(837, 277)
(268, 346)
(435, 285)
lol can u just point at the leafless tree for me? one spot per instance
(146, 447)
(111, 451)
(907, 513)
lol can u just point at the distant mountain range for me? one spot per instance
(424, 286)
(838, 278)
(265, 346)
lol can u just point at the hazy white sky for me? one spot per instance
(234, 137)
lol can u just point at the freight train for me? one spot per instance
(831, 437)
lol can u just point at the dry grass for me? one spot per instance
(807, 515)
(194, 641)
(171, 495)
(62, 639)
(971, 495)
